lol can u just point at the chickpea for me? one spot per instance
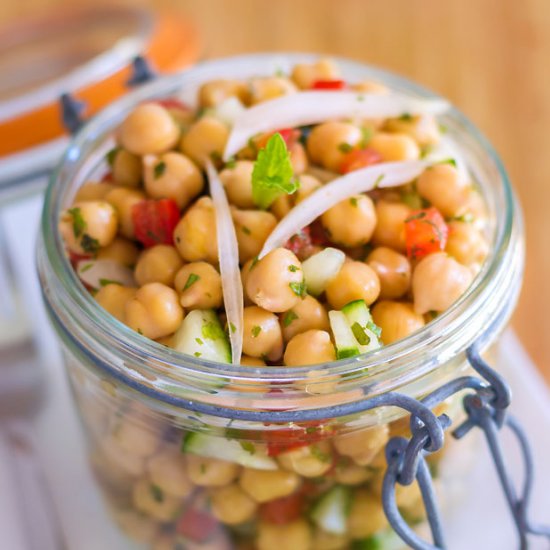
(396, 319)
(349, 473)
(126, 168)
(322, 540)
(93, 191)
(362, 445)
(252, 228)
(231, 505)
(87, 226)
(238, 183)
(119, 465)
(390, 225)
(137, 436)
(195, 234)
(137, 526)
(422, 128)
(308, 184)
(442, 186)
(158, 264)
(276, 282)
(121, 250)
(393, 147)
(154, 311)
(298, 158)
(355, 281)
(466, 243)
(214, 92)
(308, 314)
(199, 285)
(266, 485)
(211, 472)
(248, 361)
(393, 270)
(167, 471)
(295, 535)
(205, 138)
(351, 222)
(172, 176)
(309, 348)
(306, 74)
(281, 206)
(151, 500)
(370, 87)
(308, 461)
(245, 271)
(437, 282)
(325, 143)
(366, 515)
(262, 336)
(114, 298)
(148, 129)
(264, 89)
(123, 201)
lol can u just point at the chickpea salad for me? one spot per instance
(285, 220)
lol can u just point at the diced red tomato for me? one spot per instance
(74, 258)
(173, 103)
(283, 510)
(197, 525)
(289, 135)
(329, 85)
(317, 234)
(425, 232)
(108, 177)
(297, 243)
(359, 158)
(288, 439)
(155, 220)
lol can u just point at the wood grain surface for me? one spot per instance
(490, 57)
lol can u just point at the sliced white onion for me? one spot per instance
(312, 107)
(228, 251)
(321, 268)
(99, 273)
(387, 174)
(229, 110)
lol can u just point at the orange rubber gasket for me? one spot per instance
(174, 44)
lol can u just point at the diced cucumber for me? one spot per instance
(244, 453)
(384, 540)
(346, 344)
(360, 321)
(321, 268)
(201, 335)
(331, 510)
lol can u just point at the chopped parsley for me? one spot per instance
(191, 280)
(367, 133)
(293, 268)
(232, 327)
(256, 329)
(245, 230)
(378, 180)
(248, 446)
(231, 163)
(255, 260)
(159, 169)
(157, 493)
(197, 354)
(354, 201)
(345, 147)
(450, 161)
(105, 282)
(79, 224)
(319, 454)
(273, 174)
(213, 331)
(406, 117)
(464, 218)
(288, 317)
(298, 288)
(199, 341)
(86, 267)
(360, 334)
(89, 244)
(111, 155)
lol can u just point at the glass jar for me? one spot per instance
(203, 455)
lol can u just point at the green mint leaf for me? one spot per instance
(248, 446)
(105, 282)
(159, 169)
(89, 244)
(288, 317)
(191, 280)
(360, 334)
(213, 331)
(272, 175)
(79, 223)
(298, 288)
(256, 331)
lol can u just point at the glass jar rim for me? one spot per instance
(481, 311)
